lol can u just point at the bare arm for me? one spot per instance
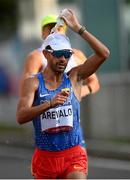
(91, 83)
(101, 53)
(32, 65)
(25, 110)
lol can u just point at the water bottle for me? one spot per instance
(60, 22)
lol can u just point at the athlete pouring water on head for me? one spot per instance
(56, 116)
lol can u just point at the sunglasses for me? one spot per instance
(59, 53)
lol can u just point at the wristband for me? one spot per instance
(81, 30)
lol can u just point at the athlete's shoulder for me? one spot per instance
(77, 51)
(30, 84)
(79, 56)
(33, 60)
(35, 54)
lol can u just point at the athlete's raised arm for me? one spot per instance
(91, 84)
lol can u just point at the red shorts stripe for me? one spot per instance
(52, 165)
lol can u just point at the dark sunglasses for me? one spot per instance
(59, 53)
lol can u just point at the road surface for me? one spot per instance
(15, 164)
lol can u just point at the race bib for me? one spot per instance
(57, 119)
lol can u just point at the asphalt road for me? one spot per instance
(15, 164)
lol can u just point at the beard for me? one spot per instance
(60, 67)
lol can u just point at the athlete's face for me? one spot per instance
(47, 29)
(59, 59)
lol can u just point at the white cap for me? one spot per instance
(57, 41)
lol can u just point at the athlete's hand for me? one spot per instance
(71, 20)
(59, 99)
